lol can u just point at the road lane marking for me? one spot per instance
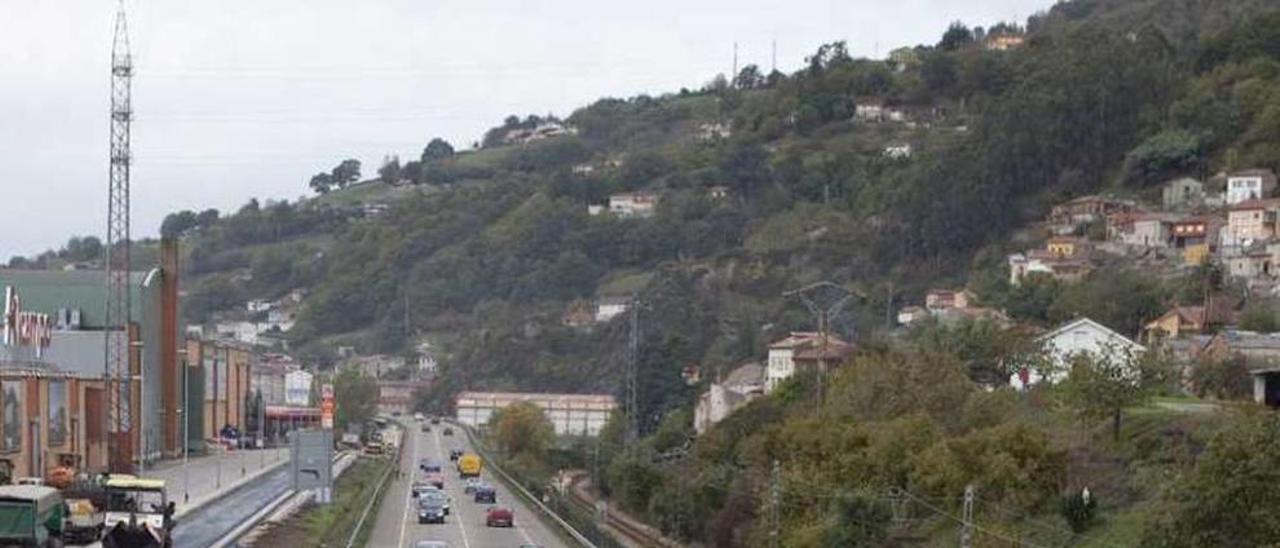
(408, 496)
(435, 433)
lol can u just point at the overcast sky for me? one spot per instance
(248, 98)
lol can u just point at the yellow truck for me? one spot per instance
(469, 465)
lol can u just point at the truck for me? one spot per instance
(469, 465)
(139, 513)
(30, 515)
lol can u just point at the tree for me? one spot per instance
(857, 519)
(957, 36)
(356, 398)
(438, 149)
(1227, 379)
(390, 171)
(175, 224)
(1103, 384)
(321, 183)
(1261, 316)
(748, 78)
(522, 429)
(346, 173)
(1229, 498)
(1166, 154)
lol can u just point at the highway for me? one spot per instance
(397, 522)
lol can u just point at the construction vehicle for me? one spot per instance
(30, 515)
(139, 514)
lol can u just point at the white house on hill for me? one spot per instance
(1082, 336)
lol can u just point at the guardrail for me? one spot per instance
(377, 493)
(518, 488)
(253, 520)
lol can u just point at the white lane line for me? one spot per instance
(408, 496)
(435, 432)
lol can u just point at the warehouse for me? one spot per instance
(571, 414)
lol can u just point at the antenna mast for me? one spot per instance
(118, 314)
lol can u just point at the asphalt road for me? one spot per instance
(397, 522)
(207, 524)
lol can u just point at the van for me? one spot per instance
(469, 465)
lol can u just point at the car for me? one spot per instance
(435, 420)
(426, 429)
(420, 486)
(455, 454)
(472, 485)
(486, 495)
(430, 466)
(437, 496)
(499, 516)
(436, 479)
(431, 544)
(447, 431)
(430, 512)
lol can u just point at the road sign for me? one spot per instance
(326, 406)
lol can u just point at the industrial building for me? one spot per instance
(570, 414)
(75, 340)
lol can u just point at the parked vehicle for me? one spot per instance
(486, 495)
(470, 465)
(499, 516)
(30, 515)
(430, 512)
(139, 514)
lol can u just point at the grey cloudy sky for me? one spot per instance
(247, 98)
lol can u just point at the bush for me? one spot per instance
(1079, 510)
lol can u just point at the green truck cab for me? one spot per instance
(31, 515)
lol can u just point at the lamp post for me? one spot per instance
(182, 414)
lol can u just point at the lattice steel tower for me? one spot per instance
(118, 313)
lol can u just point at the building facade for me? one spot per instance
(570, 414)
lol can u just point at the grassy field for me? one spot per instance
(331, 525)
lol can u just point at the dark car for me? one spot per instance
(430, 466)
(447, 431)
(435, 420)
(455, 454)
(430, 511)
(426, 428)
(499, 516)
(486, 495)
(436, 496)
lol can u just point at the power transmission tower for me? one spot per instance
(733, 78)
(824, 300)
(966, 527)
(118, 313)
(633, 375)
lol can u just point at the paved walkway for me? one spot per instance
(205, 477)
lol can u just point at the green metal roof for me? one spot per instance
(46, 291)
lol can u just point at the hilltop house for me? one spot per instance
(638, 204)
(1250, 184)
(1180, 321)
(1071, 340)
(610, 307)
(1068, 217)
(725, 396)
(1139, 228)
(804, 350)
(714, 131)
(1003, 41)
(1182, 193)
(1197, 237)
(898, 151)
(947, 305)
(542, 130)
(1261, 355)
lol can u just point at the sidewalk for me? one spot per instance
(207, 477)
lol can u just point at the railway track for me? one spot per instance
(638, 534)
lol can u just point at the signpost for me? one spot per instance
(326, 407)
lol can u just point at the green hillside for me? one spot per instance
(770, 182)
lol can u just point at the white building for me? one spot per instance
(610, 307)
(1254, 184)
(297, 388)
(714, 131)
(570, 414)
(1075, 338)
(898, 152)
(258, 305)
(803, 349)
(723, 398)
(633, 204)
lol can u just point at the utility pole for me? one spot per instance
(966, 528)
(824, 300)
(118, 314)
(774, 47)
(775, 501)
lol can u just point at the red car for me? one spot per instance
(498, 516)
(436, 479)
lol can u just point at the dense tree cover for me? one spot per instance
(357, 399)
